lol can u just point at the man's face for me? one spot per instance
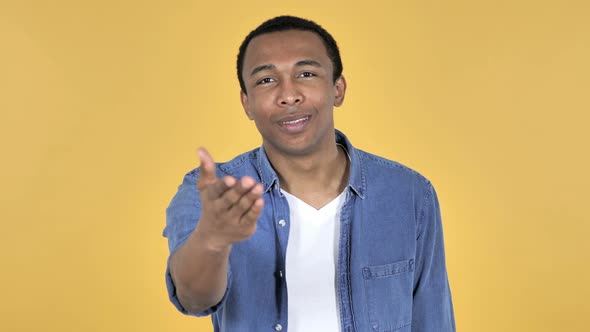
(290, 92)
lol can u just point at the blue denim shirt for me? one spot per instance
(391, 273)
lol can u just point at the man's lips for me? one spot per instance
(295, 124)
(296, 120)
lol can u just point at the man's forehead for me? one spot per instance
(285, 43)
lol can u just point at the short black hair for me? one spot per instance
(284, 23)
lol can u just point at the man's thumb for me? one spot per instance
(207, 169)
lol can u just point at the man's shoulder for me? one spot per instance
(238, 164)
(378, 167)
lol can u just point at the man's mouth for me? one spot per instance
(295, 121)
(295, 125)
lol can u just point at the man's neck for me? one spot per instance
(316, 179)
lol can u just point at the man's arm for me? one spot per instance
(199, 273)
(230, 210)
(432, 306)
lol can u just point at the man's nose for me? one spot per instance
(290, 95)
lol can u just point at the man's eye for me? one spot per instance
(265, 80)
(307, 74)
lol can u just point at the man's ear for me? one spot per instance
(340, 87)
(244, 100)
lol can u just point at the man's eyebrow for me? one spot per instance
(298, 64)
(261, 68)
(308, 63)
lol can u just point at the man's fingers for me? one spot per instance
(207, 169)
(252, 214)
(220, 188)
(231, 197)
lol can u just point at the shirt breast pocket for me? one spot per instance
(389, 295)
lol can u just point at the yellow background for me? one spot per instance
(103, 104)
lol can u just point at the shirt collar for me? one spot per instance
(268, 176)
(356, 181)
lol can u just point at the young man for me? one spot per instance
(305, 233)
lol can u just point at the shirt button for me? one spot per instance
(280, 273)
(278, 327)
(282, 222)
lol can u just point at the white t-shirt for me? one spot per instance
(312, 256)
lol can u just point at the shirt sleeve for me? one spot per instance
(432, 305)
(181, 219)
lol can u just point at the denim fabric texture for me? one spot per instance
(391, 273)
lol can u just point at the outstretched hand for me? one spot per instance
(230, 207)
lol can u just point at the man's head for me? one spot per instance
(284, 23)
(290, 86)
